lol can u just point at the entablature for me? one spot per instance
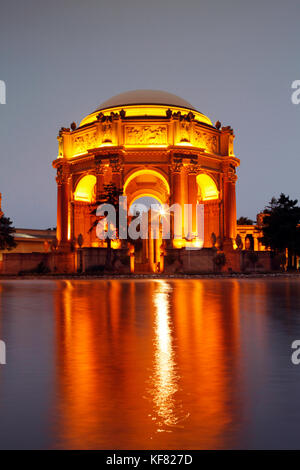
(173, 131)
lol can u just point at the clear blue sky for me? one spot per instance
(233, 60)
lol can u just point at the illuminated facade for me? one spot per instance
(148, 143)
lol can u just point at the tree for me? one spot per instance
(110, 195)
(281, 229)
(7, 240)
(244, 221)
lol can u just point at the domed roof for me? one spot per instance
(145, 97)
(142, 103)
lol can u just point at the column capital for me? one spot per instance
(116, 164)
(193, 169)
(229, 173)
(177, 165)
(230, 178)
(99, 167)
(63, 173)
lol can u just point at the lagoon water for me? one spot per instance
(141, 364)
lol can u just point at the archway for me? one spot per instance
(146, 182)
(147, 252)
(84, 190)
(208, 195)
(207, 188)
(147, 187)
(249, 242)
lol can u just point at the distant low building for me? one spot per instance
(31, 240)
(251, 234)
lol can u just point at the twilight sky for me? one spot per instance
(233, 60)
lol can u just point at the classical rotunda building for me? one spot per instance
(149, 144)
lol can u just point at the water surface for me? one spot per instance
(138, 364)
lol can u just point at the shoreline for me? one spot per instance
(108, 276)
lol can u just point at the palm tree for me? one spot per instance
(110, 195)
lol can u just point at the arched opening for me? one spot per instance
(85, 188)
(148, 251)
(207, 188)
(208, 195)
(147, 187)
(146, 182)
(249, 242)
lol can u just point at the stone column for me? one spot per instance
(255, 239)
(192, 198)
(243, 238)
(116, 168)
(230, 204)
(62, 232)
(100, 178)
(176, 170)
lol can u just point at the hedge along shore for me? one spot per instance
(104, 276)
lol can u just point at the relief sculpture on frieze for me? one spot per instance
(106, 132)
(184, 127)
(84, 142)
(146, 135)
(205, 140)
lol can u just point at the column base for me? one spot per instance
(228, 244)
(64, 246)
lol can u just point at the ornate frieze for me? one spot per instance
(146, 135)
(205, 140)
(106, 128)
(106, 133)
(184, 131)
(102, 134)
(84, 142)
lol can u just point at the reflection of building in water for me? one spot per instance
(207, 336)
(164, 382)
(133, 376)
(99, 379)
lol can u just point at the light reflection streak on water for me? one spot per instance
(165, 379)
